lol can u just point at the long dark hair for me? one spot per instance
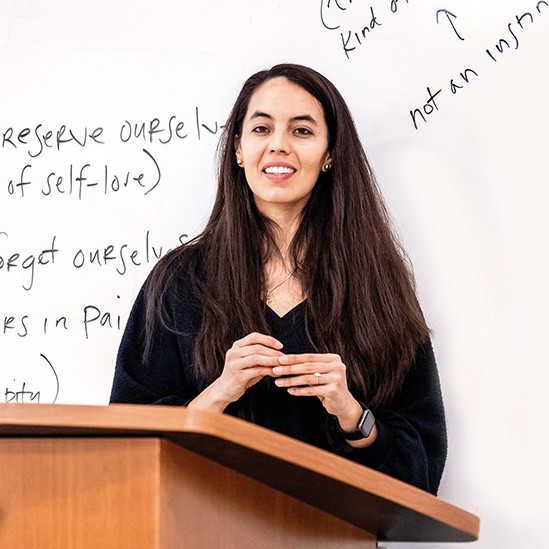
(361, 300)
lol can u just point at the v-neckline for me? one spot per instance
(287, 313)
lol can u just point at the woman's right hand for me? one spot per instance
(246, 362)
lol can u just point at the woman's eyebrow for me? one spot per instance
(298, 118)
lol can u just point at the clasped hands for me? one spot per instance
(256, 356)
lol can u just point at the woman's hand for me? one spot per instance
(324, 376)
(246, 362)
(320, 375)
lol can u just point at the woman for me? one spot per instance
(295, 307)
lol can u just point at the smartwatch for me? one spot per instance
(363, 429)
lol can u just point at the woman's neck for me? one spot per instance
(286, 225)
(283, 289)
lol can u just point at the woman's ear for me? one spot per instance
(238, 151)
(328, 161)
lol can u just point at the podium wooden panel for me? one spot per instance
(163, 477)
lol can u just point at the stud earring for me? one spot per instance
(239, 161)
(327, 167)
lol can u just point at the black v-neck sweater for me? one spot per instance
(411, 444)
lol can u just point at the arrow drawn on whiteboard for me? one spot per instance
(55, 374)
(449, 16)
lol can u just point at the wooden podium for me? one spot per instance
(151, 477)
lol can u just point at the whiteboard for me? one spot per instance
(110, 113)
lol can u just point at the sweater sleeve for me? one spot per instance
(161, 378)
(412, 442)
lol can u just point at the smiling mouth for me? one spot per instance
(279, 170)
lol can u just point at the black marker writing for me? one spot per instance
(38, 139)
(427, 109)
(16, 260)
(152, 131)
(23, 394)
(211, 129)
(121, 256)
(14, 325)
(352, 39)
(60, 322)
(362, 21)
(93, 315)
(394, 5)
(508, 42)
(465, 77)
(326, 6)
(511, 40)
(158, 174)
(21, 184)
(449, 15)
(56, 377)
(84, 179)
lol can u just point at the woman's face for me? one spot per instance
(283, 146)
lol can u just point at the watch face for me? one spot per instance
(366, 423)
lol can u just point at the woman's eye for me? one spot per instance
(260, 129)
(303, 131)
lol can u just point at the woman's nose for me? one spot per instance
(279, 142)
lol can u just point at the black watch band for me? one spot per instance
(364, 428)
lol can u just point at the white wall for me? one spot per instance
(468, 190)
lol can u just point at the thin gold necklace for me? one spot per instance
(269, 294)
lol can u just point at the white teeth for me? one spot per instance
(278, 169)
